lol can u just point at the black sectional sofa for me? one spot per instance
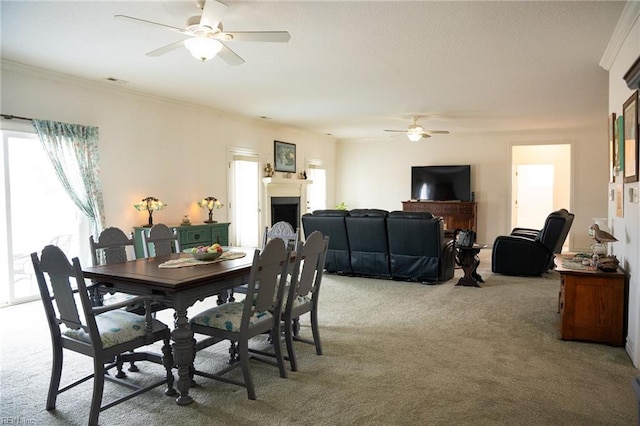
(394, 245)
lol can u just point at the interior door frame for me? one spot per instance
(559, 153)
(232, 154)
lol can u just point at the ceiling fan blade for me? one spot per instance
(151, 23)
(268, 36)
(402, 131)
(165, 49)
(229, 56)
(437, 132)
(212, 13)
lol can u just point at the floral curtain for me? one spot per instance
(73, 151)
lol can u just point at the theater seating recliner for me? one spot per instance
(331, 223)
(371, 242)
(529, 252)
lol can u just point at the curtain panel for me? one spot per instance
(73, 151)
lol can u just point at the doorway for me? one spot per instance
(540, 183)
(244, 201)
(533, 193)
(37, 211)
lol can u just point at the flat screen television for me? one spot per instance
(441, 183)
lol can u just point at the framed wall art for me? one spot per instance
(620, 148)
(613, 145)
(284, 157)
(630, 114)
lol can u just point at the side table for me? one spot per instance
(467, 258)
(593, 305)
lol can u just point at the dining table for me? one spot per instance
(178, 281)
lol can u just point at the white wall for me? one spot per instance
(150, 146)
(378, 173)
(627, 229)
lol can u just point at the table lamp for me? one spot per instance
(210, 203)
(150, 204)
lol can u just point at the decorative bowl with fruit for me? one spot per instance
(211, 252)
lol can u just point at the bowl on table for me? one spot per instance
(205, 255)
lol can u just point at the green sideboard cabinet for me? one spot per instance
(189, 235)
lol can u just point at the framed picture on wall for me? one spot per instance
(284, 157)
(620, 148)
(630, 114)
(613, 147)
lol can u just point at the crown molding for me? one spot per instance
(627, 20)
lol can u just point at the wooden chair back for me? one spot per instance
(285, 232)
(163, 240)
(267, 281)
(112, 246)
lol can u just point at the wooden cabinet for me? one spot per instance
(456, 214)
(190, 235)
(592, 306)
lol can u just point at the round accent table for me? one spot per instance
(467, 258)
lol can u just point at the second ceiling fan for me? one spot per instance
(206, 35)
(415, 132)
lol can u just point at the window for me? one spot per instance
(36, 212)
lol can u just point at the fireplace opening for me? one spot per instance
(286, 209)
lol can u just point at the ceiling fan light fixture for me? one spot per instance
(414, 136)
(203, 48)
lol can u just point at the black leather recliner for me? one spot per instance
(526, 252)
(331, 223)
(367, 233)
(418, 250)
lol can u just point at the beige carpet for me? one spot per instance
(396, 353)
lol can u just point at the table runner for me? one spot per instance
(190, 261)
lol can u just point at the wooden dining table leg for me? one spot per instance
(183, 354)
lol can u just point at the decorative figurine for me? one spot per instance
(268, 170)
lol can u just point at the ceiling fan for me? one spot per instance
(415, 132)
(206, 38)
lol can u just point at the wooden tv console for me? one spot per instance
(456, 214)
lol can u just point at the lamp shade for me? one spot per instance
(203, 48)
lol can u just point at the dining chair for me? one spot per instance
(303, 292)
(282, 230)
(259, 313)
(114, 246)
(104, 333)
(301, 295)
(285, 232)
(161, 239)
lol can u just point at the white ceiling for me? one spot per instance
(351, 68)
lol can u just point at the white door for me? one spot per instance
(244, 208)
(317, 191)
(534, 194)
(37, 211)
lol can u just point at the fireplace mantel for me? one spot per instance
(283, 187)
(284, 181)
